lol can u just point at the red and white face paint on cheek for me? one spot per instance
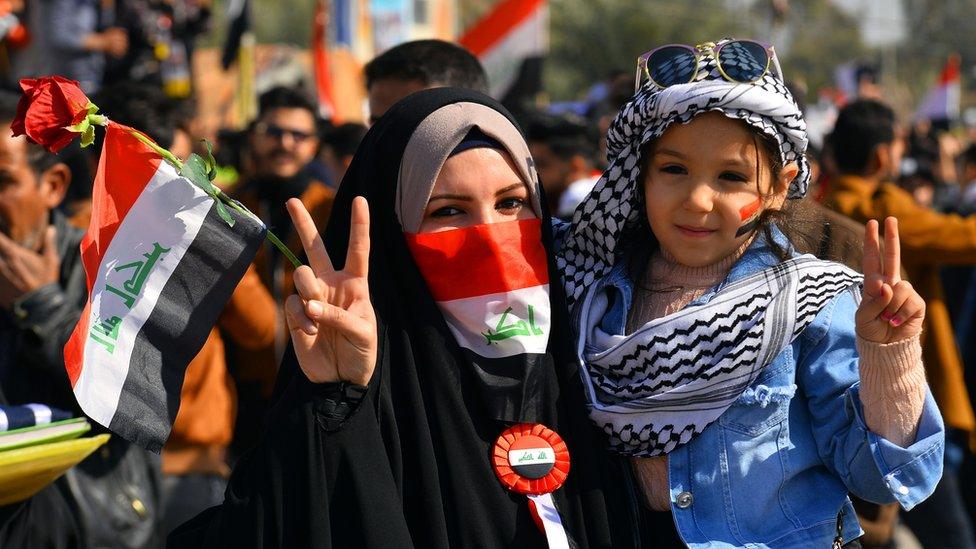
(491, 282)
(749, 216)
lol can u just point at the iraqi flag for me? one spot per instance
(502, 312)
(160, 265)
(510, 42)
(942, 101)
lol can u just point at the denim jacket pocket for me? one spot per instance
(765, 403)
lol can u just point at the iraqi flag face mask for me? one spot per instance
(491, 283)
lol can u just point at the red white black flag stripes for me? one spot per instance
(505, 310)
(942, 101)
(508, 41)
(160, 266)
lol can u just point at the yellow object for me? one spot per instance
(178, 88)
(25, 471)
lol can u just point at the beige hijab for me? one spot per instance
(431, 145)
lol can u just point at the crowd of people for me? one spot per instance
(354, 402)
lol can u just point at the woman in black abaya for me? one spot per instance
(450, 300)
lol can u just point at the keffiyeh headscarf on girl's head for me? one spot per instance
(657, 388)
(615, 204)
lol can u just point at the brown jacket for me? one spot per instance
(260, 365)
(317, 199)
(928, 240)
(208, 402)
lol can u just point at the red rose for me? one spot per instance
(48, 107)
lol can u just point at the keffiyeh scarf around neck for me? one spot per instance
(655, 389)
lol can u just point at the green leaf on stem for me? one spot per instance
(195, 169)
(211, 161)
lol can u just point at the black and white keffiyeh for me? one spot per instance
(655, 389)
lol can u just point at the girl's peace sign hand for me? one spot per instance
(891, 310)
(331, 319)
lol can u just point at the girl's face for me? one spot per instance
(475, 187)
(704, 180)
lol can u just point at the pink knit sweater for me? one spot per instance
(892, 376)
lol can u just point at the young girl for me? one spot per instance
(750, 386)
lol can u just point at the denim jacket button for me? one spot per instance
(684, 499)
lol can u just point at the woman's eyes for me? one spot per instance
(507, 205)
(510, 204)
(446, 211)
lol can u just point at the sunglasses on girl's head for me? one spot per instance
(740, 61)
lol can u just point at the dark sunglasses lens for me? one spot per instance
(743, 61)
(278, 132)
(671, 65)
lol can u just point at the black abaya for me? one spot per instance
(410, 466)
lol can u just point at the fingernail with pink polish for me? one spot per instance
(886, 316)
(895, 321)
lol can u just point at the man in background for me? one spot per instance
(867, 154)
(114, 494)
(420, 65)
(71, 38)
(281, 143)
(564, 152)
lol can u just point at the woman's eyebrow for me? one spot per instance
(448, 196)
(511, 187)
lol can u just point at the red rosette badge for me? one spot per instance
(531, 459)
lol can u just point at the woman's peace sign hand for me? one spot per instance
(331, 319)
(891, 310)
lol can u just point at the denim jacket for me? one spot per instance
(775, 469)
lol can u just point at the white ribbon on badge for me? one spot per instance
(553, 525)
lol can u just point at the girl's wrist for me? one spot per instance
(889, 360)
(893, 387)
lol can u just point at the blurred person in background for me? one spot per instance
(967, 183)
(918, 178)
(162, 37)
(281, 142)
(14, 37)
(960, 282)
(867, 154)
(419, 65)
(620, 87)
(42, 290)
(114, 494)
(339, 144)
(564, 151)
(42, 284)
(72, 38)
